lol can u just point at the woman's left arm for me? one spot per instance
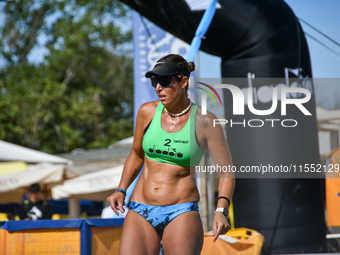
(217, 144)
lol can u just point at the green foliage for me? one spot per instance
(81, 95)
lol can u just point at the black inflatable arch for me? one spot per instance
(262, 37)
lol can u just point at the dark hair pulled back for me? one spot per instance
(180, 61)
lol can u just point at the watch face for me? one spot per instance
(225, 212)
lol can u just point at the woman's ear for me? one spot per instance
(184, 82)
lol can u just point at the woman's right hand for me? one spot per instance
(116, 201)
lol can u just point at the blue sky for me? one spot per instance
(323, 15)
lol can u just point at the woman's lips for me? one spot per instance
(161, 97)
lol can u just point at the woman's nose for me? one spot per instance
(158, 86)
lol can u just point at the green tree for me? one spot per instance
(24, 21)
(81, 95)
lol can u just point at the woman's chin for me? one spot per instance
(164, 100)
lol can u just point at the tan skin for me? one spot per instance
(168, 184)
(34, 196)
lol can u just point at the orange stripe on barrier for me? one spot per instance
(105, 240)
(66, 241)
(41, 241)
(109, 237)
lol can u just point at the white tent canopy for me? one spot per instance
(93, 186)
(12, 186)
(328, 119)
(13, 152)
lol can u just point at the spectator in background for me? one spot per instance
(35, 208)
(11, 213)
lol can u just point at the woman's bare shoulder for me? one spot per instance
(148, 109)
(144, 116)
(205, 120)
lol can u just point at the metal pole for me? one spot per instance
(73, 208)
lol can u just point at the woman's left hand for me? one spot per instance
(220, 225)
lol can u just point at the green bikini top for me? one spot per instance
(178, 148)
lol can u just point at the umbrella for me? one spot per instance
(13, 152)
(93, 186)
(12, 186)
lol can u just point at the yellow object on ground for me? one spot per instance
(3, 217)
(56, 217)
(332, 188)
(240, 241)
(12, 167)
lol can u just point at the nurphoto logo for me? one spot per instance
(296, 93)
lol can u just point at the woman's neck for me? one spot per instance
(178, 107)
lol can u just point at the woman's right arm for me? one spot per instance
(134, 161)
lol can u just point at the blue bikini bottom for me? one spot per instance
(160, 216)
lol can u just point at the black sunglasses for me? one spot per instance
(164, 81)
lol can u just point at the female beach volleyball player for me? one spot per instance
(171, 135)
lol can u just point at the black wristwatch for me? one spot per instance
(224, 210)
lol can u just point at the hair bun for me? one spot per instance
(191, 66)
